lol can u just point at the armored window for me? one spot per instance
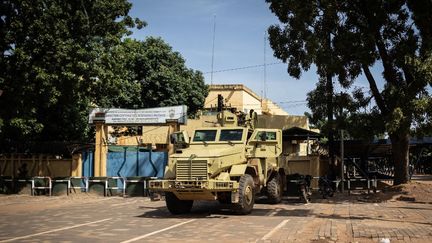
(231, 135)
(265, 136)
(204, 135)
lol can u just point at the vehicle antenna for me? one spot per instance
(265, 66)
(214, 36)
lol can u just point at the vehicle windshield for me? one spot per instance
(231, 135)
(204, 135)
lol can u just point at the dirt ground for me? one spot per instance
(419, 191)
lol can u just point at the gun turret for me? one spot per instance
(233, 118)
(227, 119)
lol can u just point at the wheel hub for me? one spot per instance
(248, 194)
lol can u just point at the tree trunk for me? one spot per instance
(400, 154)
(329, 104)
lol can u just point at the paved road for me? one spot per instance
(115, 219)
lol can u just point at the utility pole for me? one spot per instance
(342, 159)
(265, 64)
(342, 152)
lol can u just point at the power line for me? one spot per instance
(245, 67)
(293, 105)
(291, 101)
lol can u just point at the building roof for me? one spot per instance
(229, 87)
(282, 122)
(240, 96)
(299, 133)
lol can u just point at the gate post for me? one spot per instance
(101, 149)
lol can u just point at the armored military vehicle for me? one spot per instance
(230, 163)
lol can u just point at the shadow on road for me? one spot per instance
(201, 209)
(209, 210)
(204, 209)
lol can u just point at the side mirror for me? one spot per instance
(173, 138)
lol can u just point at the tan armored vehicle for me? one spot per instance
(229, 163)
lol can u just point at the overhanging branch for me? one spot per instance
(375, 92)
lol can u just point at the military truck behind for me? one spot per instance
(231, 163)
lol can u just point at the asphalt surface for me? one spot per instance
(115, 219)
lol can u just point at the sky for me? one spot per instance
(240, 32)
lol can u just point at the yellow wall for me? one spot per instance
(76, 165)
(37, 165)
(272, 108)
(305, 165)
(251, 102)
(231, 97)
(242, 98)
(150, 135)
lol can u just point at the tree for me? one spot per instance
(49, 56)
(162, 75)
(393, 34)
(147, 74)
(306, 40)
(58, 59)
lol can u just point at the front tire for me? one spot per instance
(274, 190)
(177, 206)
(246, 195)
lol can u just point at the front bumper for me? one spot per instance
(190, 186)
(196, 190)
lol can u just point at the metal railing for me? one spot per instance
(116, 178)
(368, 181)
(45, 179)
(83, 180)
(68, 185)
(48, 184)
(126, 181)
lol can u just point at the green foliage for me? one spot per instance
(147, 74)
(163, 76)
(422, 105)
(361, 34)
(49, 56)
(347, 38)
(60, 58)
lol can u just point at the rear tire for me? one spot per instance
(177, 206)
(274, 190)
(246, 195)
